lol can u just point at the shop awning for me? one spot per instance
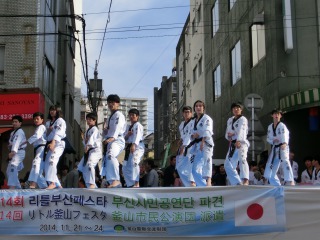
(4, 129)
(300, 100)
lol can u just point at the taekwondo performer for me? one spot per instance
(183, 164)
(56, 132)
(278, 137)
(114, 142)
(17, 153)
(316, 170)
(134, 150)
(236, 134)
(38, 140)
(92, 151)
(203, 148)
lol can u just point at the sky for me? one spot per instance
(139, 45)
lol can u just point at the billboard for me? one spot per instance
(23, 104)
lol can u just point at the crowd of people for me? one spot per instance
(191, 167)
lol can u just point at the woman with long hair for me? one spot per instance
(56, 132)
(203, 146)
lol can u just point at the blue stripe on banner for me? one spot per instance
(144, 212)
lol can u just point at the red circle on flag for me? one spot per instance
(255, 211)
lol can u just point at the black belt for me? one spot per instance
(46, 150)
(86, 156)
(36, 148)
(127, 151)
(232, 148)
(191, 144)
(274, 153)
(105, 147)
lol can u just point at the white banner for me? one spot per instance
(145, 212)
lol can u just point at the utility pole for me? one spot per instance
(95, 85)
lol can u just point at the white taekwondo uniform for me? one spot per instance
(278, 156)
(38, 140)
(56, 130)
(91, 142)
(239, 127)
(116, 127)
(17, 143)
(130, 165)
(202, 160)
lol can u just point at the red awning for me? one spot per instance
(4, 129)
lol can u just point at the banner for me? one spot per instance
(24, 104)
(144, 212)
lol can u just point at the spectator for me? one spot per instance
(81, 183)
(253, 167)
(261, 169)
(142, 176)
(258, 178)
(72, 178)
(177, 180)
(220, 178)
(306, 175)
(122, 180)
(2, 179)
(64, 172)
(316, 170)
(152, 175)
(168, 179)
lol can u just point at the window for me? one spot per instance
(2, 57)
(71, 39)
(198, 15)
(51, 5)
(200, 67)
(217, 83)
(258, 43)
(193, 28)
(195, 74)
(71, 111)
(48, 83)
(59, 43)
(215, 18)
(231, 3)
(174, 87)
(236, 63)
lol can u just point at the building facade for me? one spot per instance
(165, 119)
(269, 48)
(37, 67)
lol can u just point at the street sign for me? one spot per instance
(253, 100)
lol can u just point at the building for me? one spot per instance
(269, 48)
(165, 119)
(149, 144)
(37, 67)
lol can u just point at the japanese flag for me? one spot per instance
(257, 212)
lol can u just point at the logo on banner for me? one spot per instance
(261, 211)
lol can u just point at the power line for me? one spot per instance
(140, 9)
(150, 67)
(104, 34)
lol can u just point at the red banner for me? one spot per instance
(23, 104)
